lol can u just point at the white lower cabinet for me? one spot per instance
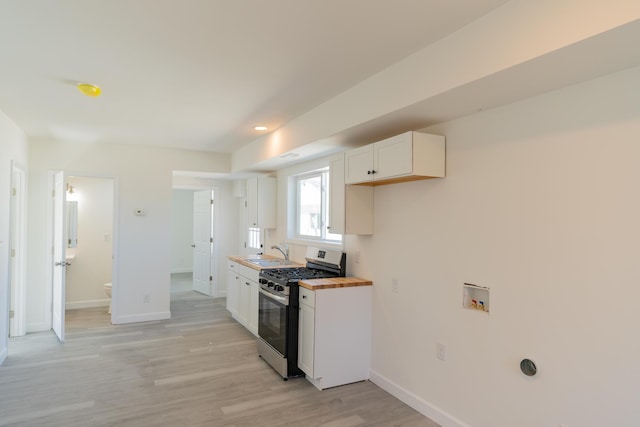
(334, 335)
(233, 289)
(242, 295)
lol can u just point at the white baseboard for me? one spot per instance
(181, 270)
(135, 318)
(87, 304)
(416, 402)
(38, 327)
(220, 294)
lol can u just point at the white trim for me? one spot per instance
(135, 318)
(18, 241)
(220, 294)
(181, 270)
(72, 305)
(425, 408)
(4, 354)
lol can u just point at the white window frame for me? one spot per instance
(293, 216)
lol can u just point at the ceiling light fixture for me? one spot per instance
(260, 127)
(89, 89)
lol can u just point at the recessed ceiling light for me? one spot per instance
(89, 89)
(260, 127)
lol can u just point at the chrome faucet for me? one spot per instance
(284, 250)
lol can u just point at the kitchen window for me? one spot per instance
(312, 207)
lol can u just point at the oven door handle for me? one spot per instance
(277, 298)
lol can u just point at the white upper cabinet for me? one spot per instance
(261, 202)
(406, 157)
(358, 165)
(336, 194)
(350, 207)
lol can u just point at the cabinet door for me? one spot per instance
(261, 202)
(337, 195)
(232, 292)
(359, 165)
(252, 202)
(244, 301)
(253, 307)
(306, 339)
(393, 156)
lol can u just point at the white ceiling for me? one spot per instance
(198, 74)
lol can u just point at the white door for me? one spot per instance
(59, 249)
(18, 258)
(202, 241)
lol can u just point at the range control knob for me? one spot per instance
(262, 281)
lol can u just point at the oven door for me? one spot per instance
(272, 320)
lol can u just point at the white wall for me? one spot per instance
(91, 267)
(13, 147)
(540, 203)
(142, 244)
(182, 231)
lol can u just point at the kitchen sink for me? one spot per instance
(272, 262)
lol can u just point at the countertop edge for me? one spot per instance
(334, 282)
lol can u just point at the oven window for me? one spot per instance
(272, 324)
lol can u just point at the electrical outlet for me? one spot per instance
(395, 287)
(356, 257)
(441, 352)
(147, 298)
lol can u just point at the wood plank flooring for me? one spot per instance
(200, 368)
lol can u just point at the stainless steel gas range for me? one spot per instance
(278, 307)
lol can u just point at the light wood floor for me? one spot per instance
(200, 368)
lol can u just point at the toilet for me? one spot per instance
(107, 290)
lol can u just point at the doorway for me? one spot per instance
(83, 260)
(194, 245)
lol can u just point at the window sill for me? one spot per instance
(315, 243)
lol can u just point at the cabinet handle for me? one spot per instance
(247, 283)
(372, 172)
(304, 296)
(368, 172)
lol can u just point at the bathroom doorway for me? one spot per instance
(89, 226)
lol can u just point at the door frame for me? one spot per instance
(115, 238)
(216, 226)
(211, 240)
(17, 242)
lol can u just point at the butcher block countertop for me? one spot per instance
(334, 282)
(246, 261)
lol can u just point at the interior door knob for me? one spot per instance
(193, 246)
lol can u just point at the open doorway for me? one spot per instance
(193, 241)
(82, 261)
